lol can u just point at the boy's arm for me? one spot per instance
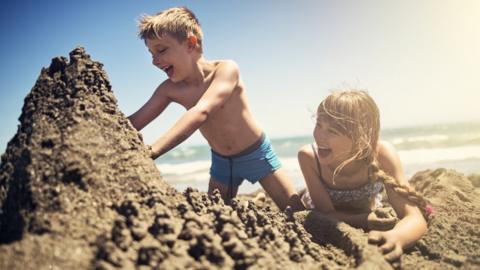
(224, 82)
(318, 193)
(151, 109)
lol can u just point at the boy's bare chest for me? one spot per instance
(188, 97)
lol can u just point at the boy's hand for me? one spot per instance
(389, 245)
(150, 152)
(382, 219)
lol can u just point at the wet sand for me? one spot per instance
(78, 191)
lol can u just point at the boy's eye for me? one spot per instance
(158, 52)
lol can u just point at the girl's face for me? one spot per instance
(333, 146)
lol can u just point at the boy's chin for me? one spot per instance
(174, 79)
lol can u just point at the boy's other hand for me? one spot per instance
(150, 152)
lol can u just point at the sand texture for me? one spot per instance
(79, 191)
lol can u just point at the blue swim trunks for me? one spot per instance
(253, 164)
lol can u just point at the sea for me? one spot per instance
(453, 146)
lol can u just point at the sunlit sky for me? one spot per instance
(420, 60)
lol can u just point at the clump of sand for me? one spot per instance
(79, 191)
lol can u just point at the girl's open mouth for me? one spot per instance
(324, 152)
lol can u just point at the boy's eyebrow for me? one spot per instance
(159, 46)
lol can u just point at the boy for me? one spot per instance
(216, 103)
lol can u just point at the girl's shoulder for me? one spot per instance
(386, 152)
(306, 151)
(306, 154)
(389, 161)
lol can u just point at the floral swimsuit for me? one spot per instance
(351, 198)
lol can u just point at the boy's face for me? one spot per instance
(171, 56)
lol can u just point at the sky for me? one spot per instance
(420, 60)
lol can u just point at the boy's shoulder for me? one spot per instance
(226, 65)
(225, 70)
(166, 86)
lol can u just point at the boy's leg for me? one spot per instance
(281, 190)
(224, 190)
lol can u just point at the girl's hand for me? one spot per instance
(389, 245)
(382, 219)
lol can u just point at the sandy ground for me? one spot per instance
(78, 191)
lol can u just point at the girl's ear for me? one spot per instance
(192, 42)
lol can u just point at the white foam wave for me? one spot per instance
(439, 154)
(198, 172)
(184, 168)
(429, 138)
(183, 152)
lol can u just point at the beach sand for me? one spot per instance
(79, 191)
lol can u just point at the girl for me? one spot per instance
(347, 167)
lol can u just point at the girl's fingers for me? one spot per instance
(375, 237)
(387, 247)
(386, 224)
(388, 220)
(394, 255)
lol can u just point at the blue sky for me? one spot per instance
(420, 60)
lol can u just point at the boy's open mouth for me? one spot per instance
(324, 151)
(168, 70)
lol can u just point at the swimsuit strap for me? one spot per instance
(319, 167)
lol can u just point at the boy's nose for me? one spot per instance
(156, 61)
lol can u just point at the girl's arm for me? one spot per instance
(318, 193)
(411, 225)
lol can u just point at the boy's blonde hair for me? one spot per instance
(355, 114)
(179, 22)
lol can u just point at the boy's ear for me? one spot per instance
(192, 42)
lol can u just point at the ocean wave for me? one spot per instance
(428, 138)
(199, 171)
(432, 155)
(171, 169)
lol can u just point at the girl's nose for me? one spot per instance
(321, 133)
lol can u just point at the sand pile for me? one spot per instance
(453, 237)
(78, 191)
